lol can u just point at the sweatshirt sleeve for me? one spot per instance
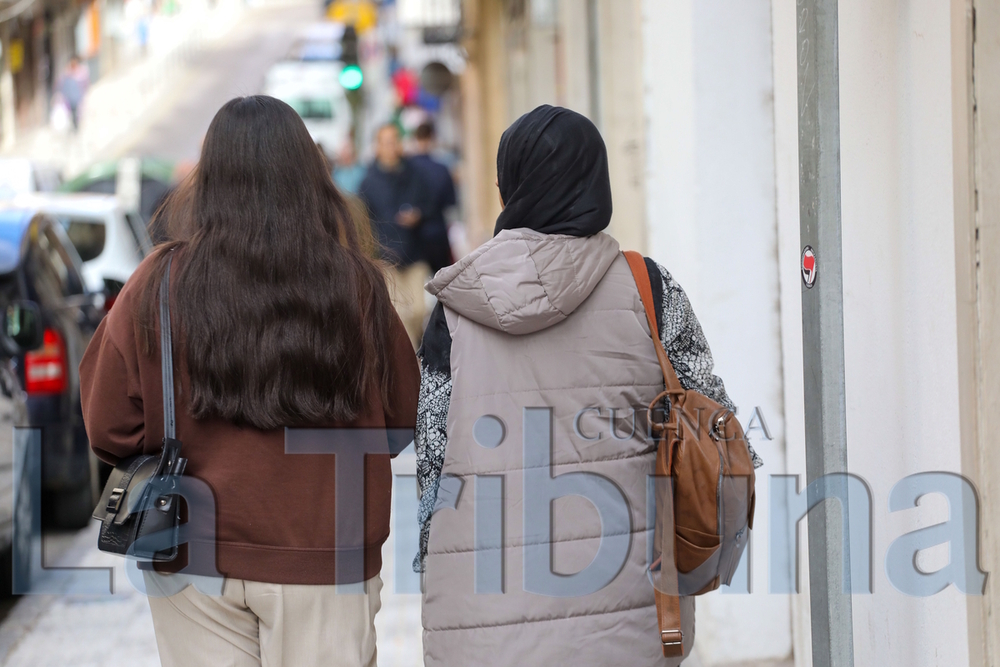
(112, 412)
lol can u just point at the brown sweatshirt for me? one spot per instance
(274, 510)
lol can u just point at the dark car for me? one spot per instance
(49, 318)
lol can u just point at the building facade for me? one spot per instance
(698, 105)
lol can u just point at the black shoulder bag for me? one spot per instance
(140, 500)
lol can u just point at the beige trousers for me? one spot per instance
(266, 625)
(406, 287)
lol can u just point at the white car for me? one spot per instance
(111, 242)
(20, 175)
(313, 89)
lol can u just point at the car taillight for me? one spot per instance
(112, 288)
(45, 370)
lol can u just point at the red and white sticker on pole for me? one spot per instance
(808, 267)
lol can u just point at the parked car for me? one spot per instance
(147, 180)
(21, 175)
(49, 317)
(12, 411)
(110, 241)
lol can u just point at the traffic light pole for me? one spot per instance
(356, 99)
(350, 57)
(823, 322)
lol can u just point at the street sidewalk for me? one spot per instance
(117, 629)
(103, 630)
(117, 103)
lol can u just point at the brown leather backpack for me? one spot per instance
(705, 484)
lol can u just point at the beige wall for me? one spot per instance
(967, 320)
(622, 117)
(574, 54)
(520, 59)
(976, 114)
(986, 133)
(484, 113)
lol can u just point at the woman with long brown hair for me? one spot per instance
(281, 321)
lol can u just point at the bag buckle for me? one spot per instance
(115, 499)
(671, 638)
(718, 431)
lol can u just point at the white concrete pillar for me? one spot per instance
(898, 164)
(711, 203)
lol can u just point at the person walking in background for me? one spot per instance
(434, 243)
(545, 316)
(396, 198)
(73, 85)
(283, 321)
(348, 172)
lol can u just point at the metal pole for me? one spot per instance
(823, 321)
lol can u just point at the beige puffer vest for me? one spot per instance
(548, 337)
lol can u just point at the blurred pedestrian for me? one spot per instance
(73, 85)
(282, 322)
(396, 197)
(348, 171)
(434, 243)
(545, 316)
(142, 34)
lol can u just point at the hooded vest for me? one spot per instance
(538, 544)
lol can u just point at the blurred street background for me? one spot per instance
(156, 73)
(104, 103)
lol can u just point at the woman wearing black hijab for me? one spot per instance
(552, 171)
(537, 349)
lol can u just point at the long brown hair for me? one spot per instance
(286, 318)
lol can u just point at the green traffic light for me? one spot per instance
(351, 77)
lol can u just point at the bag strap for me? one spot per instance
(167, 356)
(641, 276)
(668, 607)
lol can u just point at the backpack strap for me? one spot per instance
(641, 276)
(668, 607)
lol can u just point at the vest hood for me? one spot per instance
(523, 281)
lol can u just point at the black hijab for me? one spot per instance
(552, 167)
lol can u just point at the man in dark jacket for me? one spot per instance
(441, 200)
(396, 197)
